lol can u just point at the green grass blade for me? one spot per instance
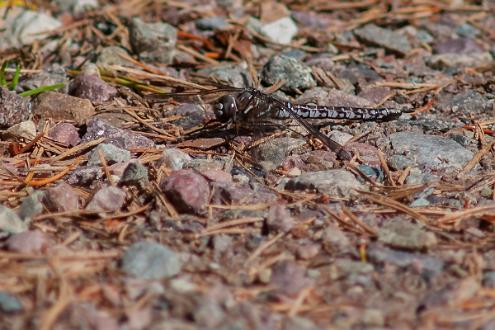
(42, 89)
(15, 79)
(3, 78)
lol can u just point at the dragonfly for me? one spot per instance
(252, 109)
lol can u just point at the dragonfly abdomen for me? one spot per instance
(338, 112)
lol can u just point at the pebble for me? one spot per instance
(296, 74)
(470, 102)
(211, 23)
(10, 222)
(13, 108)
(50, 75)
(113, 55)
(31, 241)
(153, 42)
(150, 261)
(136, 174)
(428, 265)
(299, 323)
(187, 190)
(92, 87)
(280, 31)
(457, 61)
(289, 278)
(174, 158)
(25, 130)
(61, 198)
(107, 199)
(111, 153)
(276, 150)
(388, 39)
(122, 138)
(9, 303)
(457, 46)
(335, 182)
(406, 235)
(191, 115)
(57, 106)
(31, 206)
(279, 219)
(22, 27)
(77, 6)
(430, 151)
(65, 133)
(236, 75)
(85, 175)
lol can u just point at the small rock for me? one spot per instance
(289, 278)
(57, 106)
(280, 31)
(337, 182)
(31, 241)
(295, 74)
(25, 129)
(307, 250)
(153, 41)
(406, 235)
(340, 137)
(217, 176)
(61, 198)
(77, 6)
(430, 151)
(204, 164)
(276, 150)
(233, 74)
(113, 55)
(9, 303)
(221, 243)
(390, 40)
(373, 317)
(335, 239)
(457, 46)
(174, 158)
(427, 265)
(13, 108)
(92, 87)
(22, 27)
(122, 138)
(211, 23)
(279, 218)
(467, 102)
(51, 75)
(31, 205)
(150, 261)
(458, 61)
(10, 222)
(136, 174)
(65, 133)
(107, 199)
(299, 323)
(191, 115)
(400, 162)
(111, 153)
(187, 190)
(489, 279)
(345, 268)
(85, 175)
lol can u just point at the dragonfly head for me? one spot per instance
(225, 108)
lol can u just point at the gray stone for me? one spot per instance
(430, 151)
(299, 323)
(22, 27)
(10, 222)
(92, 87)
(65, 133)
(51, 75)
(77, 6)
(13, 108)
(280, 31)
(113, 55)
(429, 265)
(9, 303)
(458, 61)
(211, 23)
(338, 183)
(465, 102)
(276, 150)
(150, 261)
(111, 153)
(31, 205)
(153, 41)
(174, 158)
(233, 74)
(57, 106)
(135, 173)
(390, 40)
(457, 46)
(295, 74)
(25, 130)
(61, 198)
(406, 235)
(122, 138)
(107, 199)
